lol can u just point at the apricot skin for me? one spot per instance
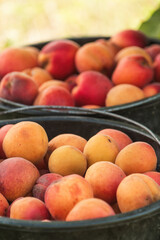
(26, 139)
(58, 58)
(67, 160)
(123, 94)
(4, 205)
(3, 132)
(137, 157)
(120, 137)
(61, 197)
(134, 70)
(65, 139)
(54, 95)
(42, 183)
(29, 208)
(104, 177)
(17, 177)
(91, 89)
(100, 148)
(90, 209)
(94, 56)
(130, 37)
(137, 191)
(16, 59)
(18, 87)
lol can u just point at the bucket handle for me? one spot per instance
(51, 110)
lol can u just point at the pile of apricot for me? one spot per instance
(101, 73)
(71, 178)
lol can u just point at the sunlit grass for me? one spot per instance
(24, 21)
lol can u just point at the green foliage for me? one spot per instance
(151, 27)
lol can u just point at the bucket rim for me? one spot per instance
(8, 105)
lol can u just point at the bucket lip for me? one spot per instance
(140, 103)
(83, 39)
(106, 222)
(92, 119)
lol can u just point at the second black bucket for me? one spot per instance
(139, 224)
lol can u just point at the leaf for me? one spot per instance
(151, 27)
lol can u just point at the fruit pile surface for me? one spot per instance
(101, 73)
(71, 178)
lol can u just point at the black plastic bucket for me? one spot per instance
(146, 111)
(143, 223)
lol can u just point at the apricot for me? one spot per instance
(100, 148)
(154, 175)
(153, 50)
(130, 37)
(71, 81)
(18, 87)
(16, 59)
(133, 50)
(38, 191)
(9, 208)
(121, 138)
(46, 220)
(136, 191)
(29, 208)
(4, 205)
(151, 89)
(137, 157)
(53, 83)
(42, 183)
(39, 75)
(66, 139)
(92, 88)
(48, 178)
(17, 177)
(156, 67)
(123, 94)
(91, 106)
(94, 56)
(67, 160)
(32, 49)
(113, 48)
(3, 131)
(133, 69)
(26, 139)
(104, 177)
(58, 58)
(63, 195)
(155, 188)
(54, 95)
(90, 208)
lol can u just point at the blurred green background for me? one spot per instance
(26, 21)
